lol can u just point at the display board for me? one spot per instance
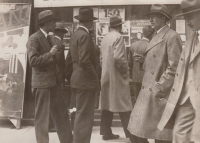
(14, 27)
(136, 29)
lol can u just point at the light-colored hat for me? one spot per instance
(46, 15)
(159, 8)
(189, 6)
(85, 13)
(60, 26)
(116, 20)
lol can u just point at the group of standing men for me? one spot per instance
(167, 106)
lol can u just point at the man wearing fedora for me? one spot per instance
(184, 99)
(115, 90)
(159, 65)
(45, 85)
(84, 79)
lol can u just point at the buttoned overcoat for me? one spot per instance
(186, 62)
(161, 60)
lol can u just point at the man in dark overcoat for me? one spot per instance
(160, 63)
(84, 79)
(184, 99)
(45, 83)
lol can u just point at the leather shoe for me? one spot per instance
(52, 130)
(110, 137)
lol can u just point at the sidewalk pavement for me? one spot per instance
(26, 134)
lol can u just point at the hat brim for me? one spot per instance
(185, 13)
(79, 17)
(154, 12)
(64, 30)
(56, 18)
(119, 23)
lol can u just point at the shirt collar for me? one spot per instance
(160, 29)
(145, 38)
(45, 34)
(58, 38)
(84, 28)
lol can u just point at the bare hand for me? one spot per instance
(54, 50)
(139, 58)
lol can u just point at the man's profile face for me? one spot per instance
(156, 21)
(193, 21)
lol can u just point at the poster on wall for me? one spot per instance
(136, 29)
(14, 33)
(106, 12)
(76, 12)
(126, 33)
(102, 28)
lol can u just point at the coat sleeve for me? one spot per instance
(130, 61)
(84, 52)
(35, 58)
(174, 49)
(119, 55)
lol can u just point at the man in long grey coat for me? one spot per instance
(115, 90)
(160, 63)
(184, 99)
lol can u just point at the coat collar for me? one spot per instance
(43, 39)
(83, 29)
(197, 49)
(158, 38)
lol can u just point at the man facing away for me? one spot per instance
(161, 60)
(84, 79)
(184, 99)
(115, 90)
(138, 47)
(45, 85)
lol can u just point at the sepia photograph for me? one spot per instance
(99, 71)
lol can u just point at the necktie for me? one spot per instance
(49, 41)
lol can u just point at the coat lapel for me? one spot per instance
(43, 40)
(158, 38)
(196, 51)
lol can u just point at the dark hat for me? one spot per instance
(189, 6)
(159, 8)
(86, 14)
(115, 20)
(46, 15)
(60, 26)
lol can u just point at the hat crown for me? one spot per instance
(44, 14)
(189, 3)
(59, 25)
(86, 14)
(159, 7)
(115, 20)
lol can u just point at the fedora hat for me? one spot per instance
(189, 6)
(85, 14)
(46, 15)
(60, 26)
(116, 20)
(159, 8)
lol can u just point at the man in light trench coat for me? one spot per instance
(160, 63)
(184, 99)
(115, 90)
